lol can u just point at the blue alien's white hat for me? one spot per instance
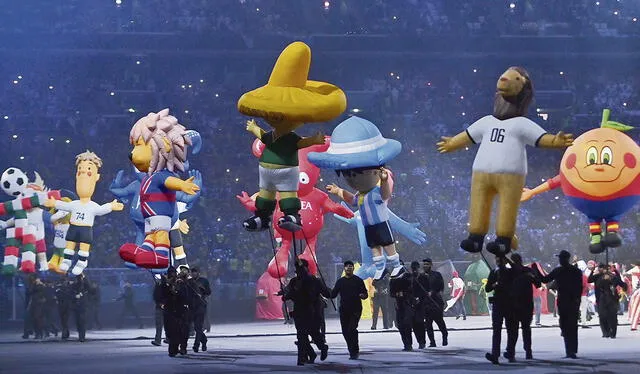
(356, 143)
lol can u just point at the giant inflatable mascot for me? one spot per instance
(359, 152)
(315, 204)
(184, 202)
(500, 166)
(83, 212)
(600, 176)
(25, 227)
(410, 231)
(159, 149)
(286, 102)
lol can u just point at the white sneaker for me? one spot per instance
(65, 265)
(397, 271)
(79, 268)
(378, 274)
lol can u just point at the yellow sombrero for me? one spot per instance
(290, 96)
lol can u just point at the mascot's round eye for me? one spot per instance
(304, 178)
(592, 156)
(606, 155)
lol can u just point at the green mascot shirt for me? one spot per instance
(283, 151)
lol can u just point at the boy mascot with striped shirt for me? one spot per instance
(359, 152)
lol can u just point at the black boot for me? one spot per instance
(473, 243)
(290, 208)
(256, 223)
(500, 247)
(262, 218)
(612, 240)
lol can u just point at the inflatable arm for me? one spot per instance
(548, 185)
(118, 189)
(351, 220)
(406, 229)
(249, 202)
(190, 200)
(339, 210)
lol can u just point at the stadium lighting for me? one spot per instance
(355, 110)
(512, 6)
(118, 2)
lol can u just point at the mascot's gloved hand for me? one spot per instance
(190, 200)
(196, 141)
(351, 221)
(117, 181)
(246, 201)
(406, 229)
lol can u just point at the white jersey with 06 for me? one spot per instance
(502, 143)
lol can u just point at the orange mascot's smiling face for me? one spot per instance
(601, 162)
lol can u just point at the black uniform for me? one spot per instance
(400, 288)
(608, 299)
(158, 300)
(80, 290)
(522, 301)
(351, 289)
(200, 290)
(94, 306)
(500, 281)
(37, 306)
(420, 291)
(64, 297)
(305, 290)
(129, 307)
(434, 307)
(28, 323)
(569, 282)
(50, 310)
(381, 303)
(175, 300)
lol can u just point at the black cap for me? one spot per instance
(564, 254)
(196, 269)
(428, 259)
(602, 265)
(415, 265)
(348, 262)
